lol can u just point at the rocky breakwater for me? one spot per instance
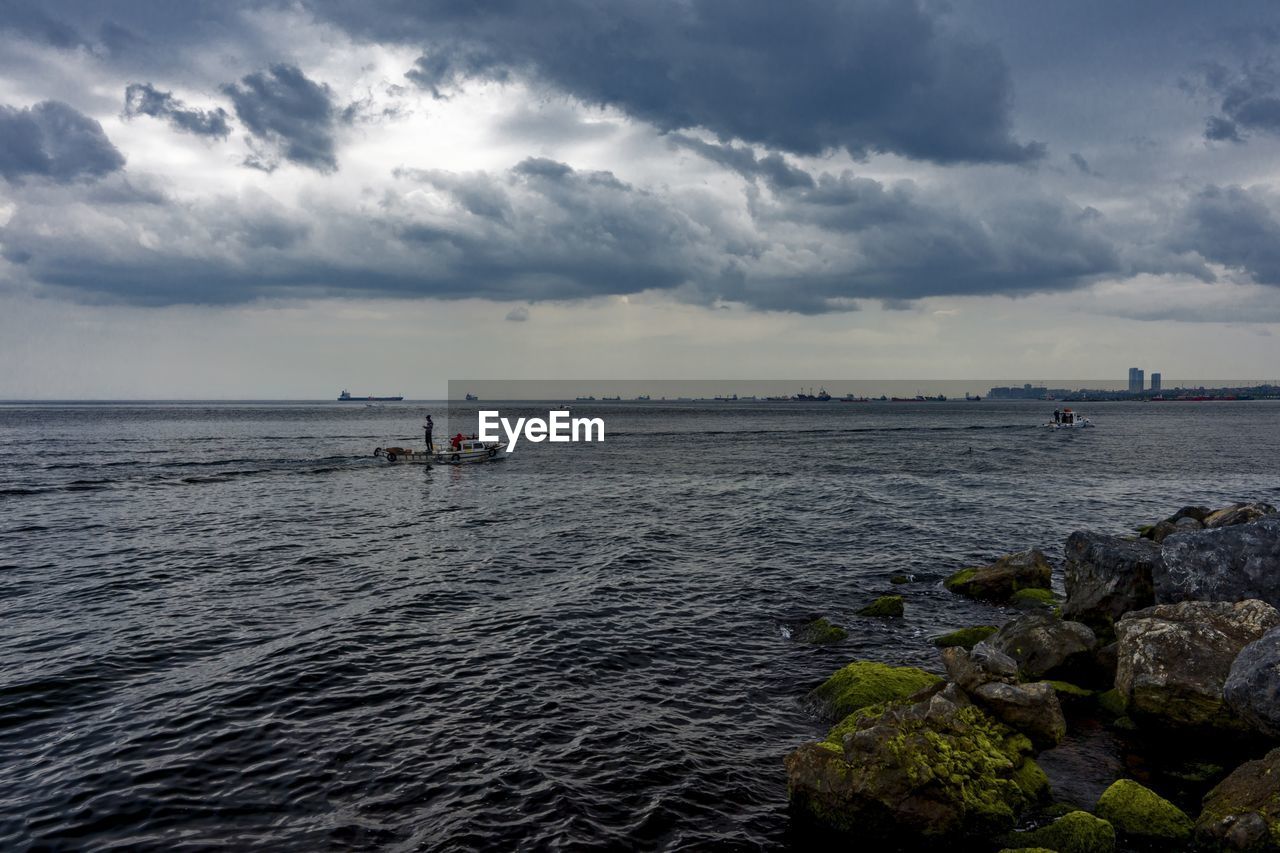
(1171, 638)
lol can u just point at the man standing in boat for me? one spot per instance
(429, 427)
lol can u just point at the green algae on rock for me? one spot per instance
(938, 768)
(885, 605)
(819, 632)
(1143, 815)
(864, 683)
(1032, 781)
(900, 579)
(1001, 579)
(1075, 832)
(1243, 811)
(1069, 691)
(1113, 702)
(1034, 599)
(965, 638)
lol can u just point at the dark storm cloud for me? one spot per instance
(1236, 227)
(145, 99)
(1249, 99)
(543, 230)
(777, 173)
(1082, 165)
(906, 244)
(52, 140)
(30, 21)
(570, 234)
(445, 70)
(1219, 129)
(805, 77)
(292, 115)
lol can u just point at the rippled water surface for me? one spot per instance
(227, 625)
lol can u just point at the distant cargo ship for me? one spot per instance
(345, 397)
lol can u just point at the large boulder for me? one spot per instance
(1253, 686)
(901, 774)
(1045, 646)
(1141, 815)
(1243, 811)
(1106, 577)
(1222, 564)
(1001, 579)
(1173, 659)
(863, 683)
(1032, 709)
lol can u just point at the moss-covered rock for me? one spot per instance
(939, 768)
(1076, 832)
(1032, 781)
(1001, 579)
(885, 605)
(819, 632)
(1113, 702)
(1027, 850)
(900, 579)
(1143, 815)
(1243, 811)
(1034, 599)
(1069, 692)
(965, 638)
(862, 684)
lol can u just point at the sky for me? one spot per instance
(283, 199)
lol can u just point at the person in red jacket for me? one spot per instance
(457, 441)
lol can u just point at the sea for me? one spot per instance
(230, 626)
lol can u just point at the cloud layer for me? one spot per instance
(796, 157)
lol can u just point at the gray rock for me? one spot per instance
(1187, 524)
(1044, 645)
(1107, 576)
(1196, 513)
(1253, 687)
(972, 669)
(1237, 514)
(1232, 563)
(1173, 660)
(1032, 709)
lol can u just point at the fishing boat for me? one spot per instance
(1068, 419)
(468, 450)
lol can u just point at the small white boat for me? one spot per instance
(1067, 419)
(467, 450)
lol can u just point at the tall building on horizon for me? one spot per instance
(1136, 380)
(1155, 382)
